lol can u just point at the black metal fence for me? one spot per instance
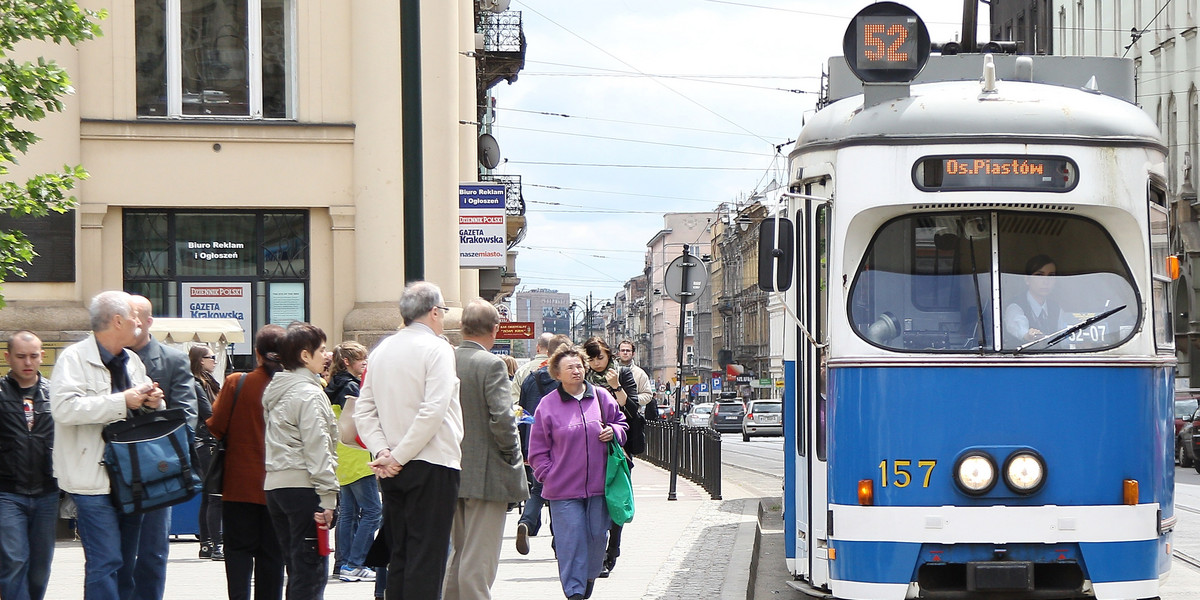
(699, 453)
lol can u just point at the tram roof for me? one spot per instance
(1029, 111)
(1114, 76)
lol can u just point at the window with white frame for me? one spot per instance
(214, 58)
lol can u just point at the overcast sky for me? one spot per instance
(628, 109)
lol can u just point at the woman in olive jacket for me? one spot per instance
(251, 547)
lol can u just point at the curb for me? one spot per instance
(739, 579)
(757, 549)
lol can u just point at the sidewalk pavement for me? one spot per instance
(692, 547)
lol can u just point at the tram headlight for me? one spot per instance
(1024, 472)
(975, 473)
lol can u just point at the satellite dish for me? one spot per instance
(489, 151)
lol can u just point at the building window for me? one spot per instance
(53, 239)
(248, 265)
(214, 58)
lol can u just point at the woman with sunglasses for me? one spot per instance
(203, 363)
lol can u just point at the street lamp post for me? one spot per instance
(686, 294)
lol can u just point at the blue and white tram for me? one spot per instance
(978, 380)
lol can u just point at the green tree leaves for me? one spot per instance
(28, 92)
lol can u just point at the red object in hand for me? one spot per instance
(323, 540)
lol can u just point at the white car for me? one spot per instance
(700, 416)
(763, 417)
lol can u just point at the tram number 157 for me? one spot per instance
(901, 474)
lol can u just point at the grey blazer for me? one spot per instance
(492, 465)
(172, 370)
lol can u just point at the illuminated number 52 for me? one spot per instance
(877, 49)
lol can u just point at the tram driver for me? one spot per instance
(1034, 314)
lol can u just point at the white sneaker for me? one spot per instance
(350, 574)
(365, 574)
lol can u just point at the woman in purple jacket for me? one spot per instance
(568, 450)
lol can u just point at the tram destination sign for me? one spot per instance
(995, 172)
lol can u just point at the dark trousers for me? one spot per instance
(418, 508)
(210, 505)
(251, 551)
(531, 516)
(292, 513)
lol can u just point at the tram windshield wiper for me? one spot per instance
(1062, 334)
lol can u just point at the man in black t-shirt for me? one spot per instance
(28, 490)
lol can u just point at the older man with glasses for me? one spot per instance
(409, 417)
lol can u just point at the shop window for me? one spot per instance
(247, 265)
(285, 245)
(226, 58)
(146, 246)
(208, 244)
(53, 239)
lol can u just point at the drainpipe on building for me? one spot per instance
(410, 118)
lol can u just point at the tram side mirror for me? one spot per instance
(776, 254)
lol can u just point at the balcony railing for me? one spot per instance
(501, 31)
(503, 54)
(514, 202)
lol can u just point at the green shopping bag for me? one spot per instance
(618, 487)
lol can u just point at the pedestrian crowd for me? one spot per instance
(411, 469)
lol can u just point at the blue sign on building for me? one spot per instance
(716, 384)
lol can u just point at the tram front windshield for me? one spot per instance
(993, 281)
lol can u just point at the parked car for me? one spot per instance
(727, 415)
(1187, 447)
(700, 416)
(763, 417)
(1185, 407)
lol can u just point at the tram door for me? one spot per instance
(809, 476)
(817, 353)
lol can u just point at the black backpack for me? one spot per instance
(635, 437)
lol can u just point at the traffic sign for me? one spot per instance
(685, 292)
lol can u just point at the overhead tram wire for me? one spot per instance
(523, 246)
(844, 18)
(525, 3)
(695, 79)
(603, 120)
(620, 166)
(610, 277)
(570, 189)
(1137, 35)
(633, 141)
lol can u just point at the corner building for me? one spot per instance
(246, 161)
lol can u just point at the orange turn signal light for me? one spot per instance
(1173, 267)
(866, 492)
(1130, 492)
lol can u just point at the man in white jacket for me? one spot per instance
(408, 416)
(96, 382)
(645, 395)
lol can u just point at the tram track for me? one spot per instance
(1179, 555)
